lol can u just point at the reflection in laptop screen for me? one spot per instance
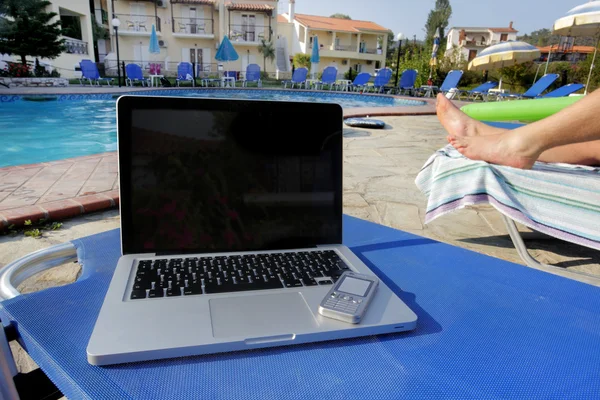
(208, 181)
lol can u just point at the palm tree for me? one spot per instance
(267, 50)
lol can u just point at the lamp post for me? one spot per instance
(115, 23)
(399, 38)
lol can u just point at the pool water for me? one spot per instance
(79, 125)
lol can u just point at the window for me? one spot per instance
(504, 37)
(377, 64)
(472, 54)
(358, 67)
(71, 26)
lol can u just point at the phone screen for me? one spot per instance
(354, 286)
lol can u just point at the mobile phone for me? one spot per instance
(349, 298)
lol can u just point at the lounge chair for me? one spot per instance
(360, 82)
(184, 73)
(134, 74)
(252, 75)
(383, 77)
(407, 82)
(328, 78)
(298, 78)
(534, 91)
(559, 200)
(565, 90)
(449, 84)
(89, 71)
(480, 91)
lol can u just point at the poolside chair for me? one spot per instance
(298, 78)
(383, 77)
(328, 78)
(480, 91)
(184, 73)
(252, 75)
(134, 74)
(89, 71)
(534, 91)
(360, 82)
(449, 84)
(406, 85)
(565, 90)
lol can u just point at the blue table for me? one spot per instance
(487, 329)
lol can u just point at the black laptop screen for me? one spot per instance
(216, 175)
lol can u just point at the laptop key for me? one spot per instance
(326, 282)
(138, 294)
(239, 287)
(155, 293)
(192, 290)
(172, 292)
(293, 283)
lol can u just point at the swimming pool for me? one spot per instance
(70, 125)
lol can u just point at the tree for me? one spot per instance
(302, 60)
(267, 50)
(340, 16)
(438, 19)
(29, 31)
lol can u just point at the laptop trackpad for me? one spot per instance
(260, 315)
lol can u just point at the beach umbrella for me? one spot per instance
(226, 52)
(154, 48)
(436, 46)
(504, 54)
(583, 20)
(314, 57)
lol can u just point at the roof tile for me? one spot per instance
(338, 24)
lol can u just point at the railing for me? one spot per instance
(370, 50)
(193, 26)
(138, 22)
(338, 47)
(244, 33)
(74, 46)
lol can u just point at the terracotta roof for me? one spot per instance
(575, 49)
(338, 24)
(210, 2)
(483, 29)
(282, 19)
(249, 7)
(503, 30)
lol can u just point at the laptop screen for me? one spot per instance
(202, 175)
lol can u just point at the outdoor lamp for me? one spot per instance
(116, 22)
(399, 37)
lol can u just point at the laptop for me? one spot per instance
(231, 231)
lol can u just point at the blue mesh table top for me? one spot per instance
(487, 329)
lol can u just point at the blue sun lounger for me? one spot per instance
(298, 78)
(89, 71)
(134, 74)
(565, 90)
(252, 75)
(383, 77)
(450, 83)
(328, 78)
(407, 82)
(534, 91)
(360, 82)
(480, 91)
(185, 73)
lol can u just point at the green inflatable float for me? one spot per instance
(518, 110)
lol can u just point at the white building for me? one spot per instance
(343, 43)
(467, 42)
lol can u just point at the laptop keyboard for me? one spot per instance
(222, 274)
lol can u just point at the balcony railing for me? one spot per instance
(193, 26)
(74, 46)
(339, 47)
(368, 50)
(244, 33)
(138, 22)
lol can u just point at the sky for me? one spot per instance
(409, 16)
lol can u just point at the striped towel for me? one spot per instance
(560, 200)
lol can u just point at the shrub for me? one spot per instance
(301, 60)
(19, 70)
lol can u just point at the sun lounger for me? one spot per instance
(89, 71)
(360, 82)
(449, 84)
(252, 75)
(329, 77)
(559, 200)
(407, 82)
(565, 90)
(480, 91)
(134, 74)
(298, 78)
(184, 73)
(383, 77)
(534, 91)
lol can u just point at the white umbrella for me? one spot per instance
(583, 20)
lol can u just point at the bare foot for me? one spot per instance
(503, 149)
(459, 124)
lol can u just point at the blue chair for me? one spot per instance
(299, 78)
(534, 91)
(184, 73)
(480, 91)
(89, 71)
(451, 82)
(383, 77)
(361, 80)
(407, 82)
(252, 75)
(328, 78)
(134, 74)
(564, 90)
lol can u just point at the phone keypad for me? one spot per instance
(343, 303)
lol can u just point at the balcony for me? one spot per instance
(75, 46)
(101, 16)
(138, 25)
(250, 35)
(193, 28)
